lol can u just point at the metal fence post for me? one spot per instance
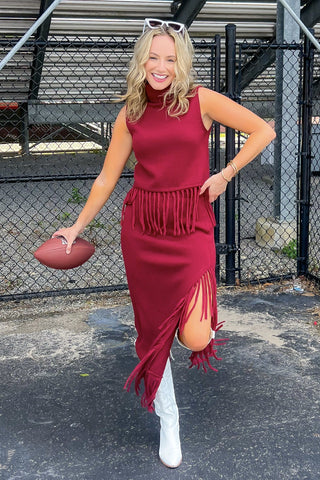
(230, 153)
(305, 164)
(216, 79)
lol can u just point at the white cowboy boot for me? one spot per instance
(166, 408)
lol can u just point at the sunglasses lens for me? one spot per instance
(177, 27)
(155, 23)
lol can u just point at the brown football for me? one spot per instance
(52, 253)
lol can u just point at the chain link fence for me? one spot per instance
(269, 84)
(314, 232)
(56, 120)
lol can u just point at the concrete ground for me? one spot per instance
(64, 413)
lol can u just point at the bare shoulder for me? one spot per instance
(207, 96)
(121, 120)
(210, 103)
(218, 106)
(221, 109)
(122, 114)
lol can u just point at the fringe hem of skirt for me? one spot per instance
(163, 342)
(153, 210)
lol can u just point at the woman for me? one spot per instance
(167, 221)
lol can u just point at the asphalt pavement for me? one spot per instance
(64, 413)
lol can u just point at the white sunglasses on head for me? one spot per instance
(154, 23)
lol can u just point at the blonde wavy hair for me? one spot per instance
(182, 86)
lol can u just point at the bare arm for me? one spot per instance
(118, 153)
(217, 107)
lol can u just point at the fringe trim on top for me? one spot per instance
(164, 213)
(163, 341)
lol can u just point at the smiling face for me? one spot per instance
(160, 66)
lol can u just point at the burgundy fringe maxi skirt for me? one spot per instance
(169, 254)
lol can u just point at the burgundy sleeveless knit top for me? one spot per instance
(172, 164)
(171, 152)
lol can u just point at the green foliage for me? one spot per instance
(290, 250)
(76, 197)
(93, 229)
(64, 216)
(95, 224)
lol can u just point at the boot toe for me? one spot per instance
(172, 459)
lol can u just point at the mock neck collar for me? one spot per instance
(155, 96)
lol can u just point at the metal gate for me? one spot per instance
(267, 206)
